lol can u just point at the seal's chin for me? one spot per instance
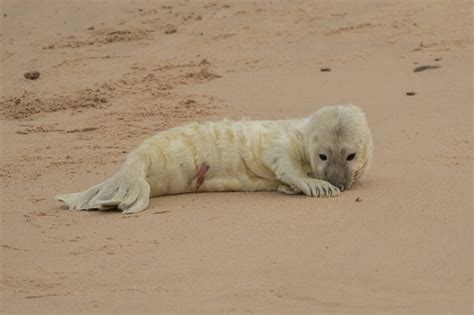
(348, 185)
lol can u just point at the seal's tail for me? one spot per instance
(128, 191)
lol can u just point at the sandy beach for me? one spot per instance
(113, 73)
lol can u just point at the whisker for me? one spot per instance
(358, 172)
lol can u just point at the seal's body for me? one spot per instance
(291, 156)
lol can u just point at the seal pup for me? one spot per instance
(320, 156)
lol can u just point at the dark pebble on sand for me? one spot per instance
(358, 199)
(32, 75)
(325, 69)
(425, 67)
(171, 30)
(411, 93)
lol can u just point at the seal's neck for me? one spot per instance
(299, 142)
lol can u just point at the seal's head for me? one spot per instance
(338, 144)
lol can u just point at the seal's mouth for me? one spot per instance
(347, 185)
(344, 183)
(343, 186)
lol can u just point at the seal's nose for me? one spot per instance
(336, 176)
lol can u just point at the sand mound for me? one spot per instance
(28, 103)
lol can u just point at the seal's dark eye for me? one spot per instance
(350, 157)
(323, 157)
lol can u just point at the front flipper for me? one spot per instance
(286, 189)
(294, 178)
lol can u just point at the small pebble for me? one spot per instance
(32, 75)
(411, 93)
(425, 67)
(438, 59)
(358, 199)
(171, 30)
(325, 69)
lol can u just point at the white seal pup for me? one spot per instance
(319, 155)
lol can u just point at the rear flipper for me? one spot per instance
(128, 191)
(130, 196)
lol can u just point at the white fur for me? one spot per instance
(279, 155)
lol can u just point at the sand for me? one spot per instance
(112, 73)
